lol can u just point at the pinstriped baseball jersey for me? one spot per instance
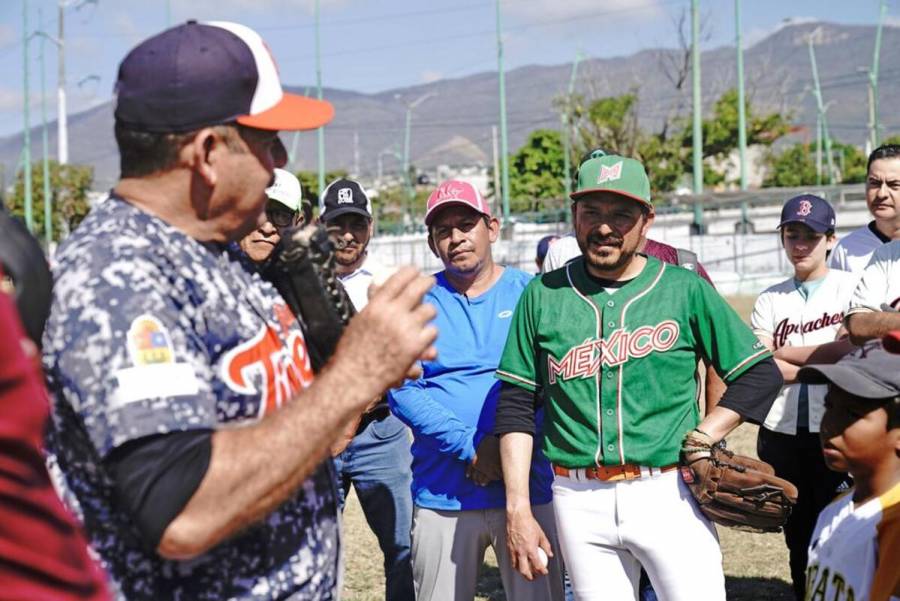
(618, 369)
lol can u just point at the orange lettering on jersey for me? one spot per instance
(265, 366)
(586, 359)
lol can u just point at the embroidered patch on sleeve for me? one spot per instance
(149, 342)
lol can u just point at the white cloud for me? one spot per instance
(8, 35)
(552, 10)
(14, 101)
(10, 100)
(429, 76)
(758, 34)
(125, 25)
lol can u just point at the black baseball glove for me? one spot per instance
(303, 271)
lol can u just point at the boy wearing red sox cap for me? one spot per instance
(799, 320)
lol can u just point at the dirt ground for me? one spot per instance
(756, 565)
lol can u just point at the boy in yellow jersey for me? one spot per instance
(854, 553)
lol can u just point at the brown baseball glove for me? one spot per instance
(733, 490)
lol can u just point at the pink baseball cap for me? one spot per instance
(454, 191)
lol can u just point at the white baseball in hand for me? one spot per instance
(542, 558)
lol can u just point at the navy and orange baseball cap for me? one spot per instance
(200, 74)
(810, 210)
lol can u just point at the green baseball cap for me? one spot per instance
(602, 172)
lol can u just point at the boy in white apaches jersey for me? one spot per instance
(855, 249)
(799, 320)
(855, 549)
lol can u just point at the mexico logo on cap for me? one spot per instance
(611, 173)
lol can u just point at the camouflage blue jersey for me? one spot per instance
(153, 332)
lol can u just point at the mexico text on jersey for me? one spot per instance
(617, 368)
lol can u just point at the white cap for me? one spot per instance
(286, 189)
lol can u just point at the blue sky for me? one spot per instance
(375, 45)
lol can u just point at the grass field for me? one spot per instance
(756, 565)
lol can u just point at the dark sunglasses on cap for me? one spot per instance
(280, 216)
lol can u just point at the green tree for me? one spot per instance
(796, 165)
(793, 166)
(69, 186)
(851, 161)
(607, 123)
(720, 133)
(538, 167)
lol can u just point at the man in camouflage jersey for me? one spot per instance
(186, 421)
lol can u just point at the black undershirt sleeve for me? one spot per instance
(515, 409)
(156, 476)
(753, 392)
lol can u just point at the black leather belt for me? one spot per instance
(377, 414)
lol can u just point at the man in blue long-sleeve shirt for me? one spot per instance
(460, 505)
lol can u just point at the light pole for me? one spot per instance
(62, 126)
(48, 201)
(567, 142)
(26, 133)
(697, 227)
(409, 109)
(873, 80)
(817, 90)
(744, 226)
(504, 151)
(389, 152)
(321, 130)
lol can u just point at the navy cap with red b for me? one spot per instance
(200, 74)
(810, 210)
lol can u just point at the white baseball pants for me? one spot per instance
(608, 530)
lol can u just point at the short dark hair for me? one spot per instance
(143, 153)
(885, 151)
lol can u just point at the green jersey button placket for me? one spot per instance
(609, 390)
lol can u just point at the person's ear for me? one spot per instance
(649, 217)
(493, 226)
(203, 152)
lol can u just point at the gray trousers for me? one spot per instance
(448, 550)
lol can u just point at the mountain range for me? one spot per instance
(454, 125)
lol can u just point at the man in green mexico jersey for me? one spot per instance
(610, 345)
